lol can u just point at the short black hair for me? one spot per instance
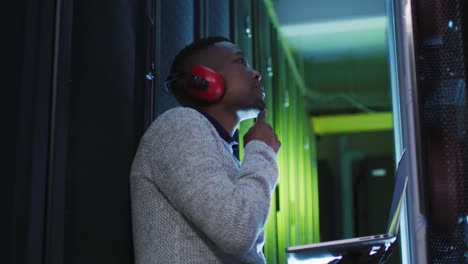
(175, 84)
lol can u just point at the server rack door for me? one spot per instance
(262, 61)
(441, 74)
(241, 34)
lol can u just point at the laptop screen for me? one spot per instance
(398, 194)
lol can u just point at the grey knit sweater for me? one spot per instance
(191, 201)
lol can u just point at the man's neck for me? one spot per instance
(228, 119)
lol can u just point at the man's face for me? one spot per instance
(243, 89)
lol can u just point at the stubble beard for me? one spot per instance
(251, 111)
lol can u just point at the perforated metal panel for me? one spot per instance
(218, 18)
(174, 32)
(441, 70)
(177, 27)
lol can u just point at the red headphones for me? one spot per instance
(205, 84)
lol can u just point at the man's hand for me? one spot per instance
(263, 132)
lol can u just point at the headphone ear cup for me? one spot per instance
(205, 84)
(198, 82)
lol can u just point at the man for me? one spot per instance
(192, 201)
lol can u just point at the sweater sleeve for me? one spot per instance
(186, 167)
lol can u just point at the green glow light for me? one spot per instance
(352, 123)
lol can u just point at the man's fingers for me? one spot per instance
(261, 116)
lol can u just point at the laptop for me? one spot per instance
(333, 251)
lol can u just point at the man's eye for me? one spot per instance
(241, 60)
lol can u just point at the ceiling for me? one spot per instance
(322, 29)
(313, 11)
(344, 44)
